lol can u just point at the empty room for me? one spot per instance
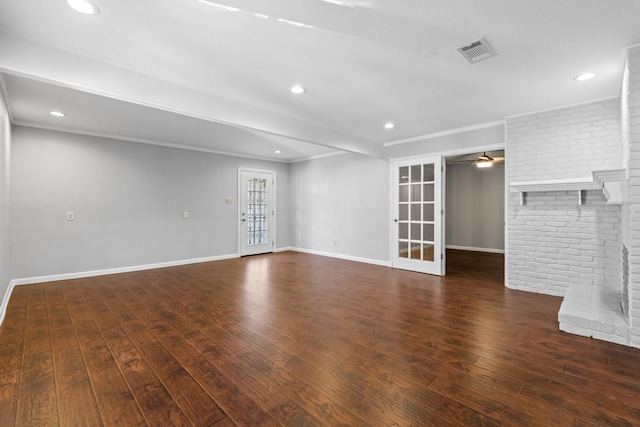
(319, 213)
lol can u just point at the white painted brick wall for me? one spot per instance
(554, 242)
(564, 143)
(631, 217)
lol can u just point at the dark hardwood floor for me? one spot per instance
(301, 340)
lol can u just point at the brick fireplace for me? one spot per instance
(573, 210)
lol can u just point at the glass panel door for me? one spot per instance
(418, 217)
(257, 212)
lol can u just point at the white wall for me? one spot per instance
(343, 198)
(5, 205)
(564, 143)
(475, 207)
(128, 200)
(632, 208)
(552, 241)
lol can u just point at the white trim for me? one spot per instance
(562, 107)
(337, 152)
(443, 216)
(445, 133)
(471, 248)
(456, 152)
(284, 249)
(3, 94)
(93, 273)
(562, 184)
(345, 257)
(118, 137)
(5, 300)
(506, 215)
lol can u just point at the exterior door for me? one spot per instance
(418, 229)
(257, 211)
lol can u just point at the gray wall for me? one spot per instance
(5, 202)
(475, 206)
(128, 200)
(343, 198)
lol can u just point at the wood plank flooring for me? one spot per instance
(301, 340)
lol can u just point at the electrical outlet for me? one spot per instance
(228, 200)
(70, 216)
(334, 243)
(185, 214)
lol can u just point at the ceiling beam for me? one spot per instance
(36, 59)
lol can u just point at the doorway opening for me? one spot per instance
(475, 212)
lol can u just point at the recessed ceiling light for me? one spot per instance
(277, 151)
(84, 6)
(297, 89)
(584, 76)
(389, 125)
(57, 113)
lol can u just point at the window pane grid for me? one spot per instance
(416, 212)
(257, 211)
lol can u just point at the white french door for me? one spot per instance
(257, 211)
(418, 229)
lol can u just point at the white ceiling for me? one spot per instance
(193, 74)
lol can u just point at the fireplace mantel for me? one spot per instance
(611, 181)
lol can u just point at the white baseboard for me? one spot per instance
(79, 275)
(470, 248)
(5, 301)
(345, 257)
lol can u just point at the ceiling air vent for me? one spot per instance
(477, 51)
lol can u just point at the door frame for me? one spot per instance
(444, 155)
(272, 232)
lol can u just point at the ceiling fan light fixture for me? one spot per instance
(84, 6)
(483, 163)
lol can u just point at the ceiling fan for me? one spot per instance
(485, 161)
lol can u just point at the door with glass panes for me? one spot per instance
(257, 211)
(418, 228)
